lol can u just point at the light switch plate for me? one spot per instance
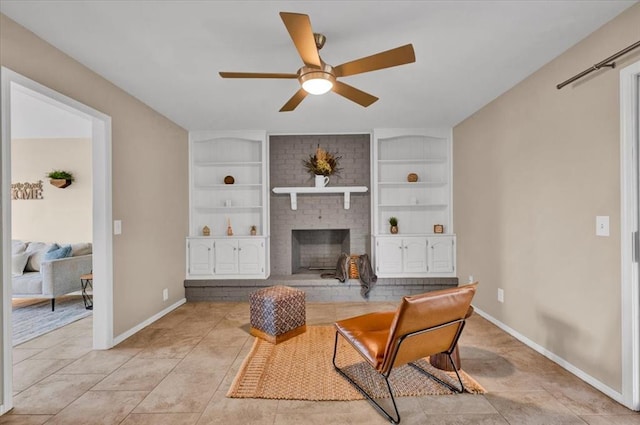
(602, 225)
(117, 227)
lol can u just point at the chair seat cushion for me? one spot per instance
(368, 334)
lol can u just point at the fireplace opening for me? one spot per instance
(317, 250)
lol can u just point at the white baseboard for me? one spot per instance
(555, 358)
(118, 339)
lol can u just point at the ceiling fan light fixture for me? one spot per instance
(317, 81)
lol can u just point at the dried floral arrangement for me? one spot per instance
(322, 163)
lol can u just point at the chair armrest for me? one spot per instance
(62, 276)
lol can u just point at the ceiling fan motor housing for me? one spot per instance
(307, 73)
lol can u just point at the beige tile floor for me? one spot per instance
(177, 371)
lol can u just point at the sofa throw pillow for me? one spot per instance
(82, 248)
(18, 262)
(57, 253)
(18, 247)
(37, 251)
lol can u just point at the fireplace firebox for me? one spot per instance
(317, 250)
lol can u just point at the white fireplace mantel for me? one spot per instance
(346, 190)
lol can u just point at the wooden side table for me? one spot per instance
(441, 361)
(87, 282)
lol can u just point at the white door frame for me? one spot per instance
(102, 218)
(630, 249)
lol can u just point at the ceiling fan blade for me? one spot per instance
(256, 75)
(387, 59)
(299, 27)
(294, 101)
(353, 94)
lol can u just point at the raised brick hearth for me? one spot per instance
(316, 289)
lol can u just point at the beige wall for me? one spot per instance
(532, 170)
(63, 215)
(150, 174)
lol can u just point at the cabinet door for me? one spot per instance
(251, 257)
(226, 257)
(200, 257)
(388, 255)
(414, 255)
(441, 255)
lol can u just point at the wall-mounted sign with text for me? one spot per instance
(26, 191)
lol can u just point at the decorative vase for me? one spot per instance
(60, 183)
(394, 229)
(321, 181)
(253, 231)
(206, 231)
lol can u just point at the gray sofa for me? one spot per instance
(48, 278)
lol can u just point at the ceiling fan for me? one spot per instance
(318, 77)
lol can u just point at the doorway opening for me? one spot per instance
(48, 215)
(102, 261)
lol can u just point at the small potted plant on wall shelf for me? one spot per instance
(60, 178)
(394, 225)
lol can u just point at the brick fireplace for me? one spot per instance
(318, 212)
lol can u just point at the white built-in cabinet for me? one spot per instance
(415, 256)
(215, 202)
(228, 258)
(415, 251)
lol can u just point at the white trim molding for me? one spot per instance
(554, 357)
(630, 247)
(5, 234)
(117, 340)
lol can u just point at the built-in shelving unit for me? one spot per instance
(216, 203)
(417, 205)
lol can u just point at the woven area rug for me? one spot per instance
(301, 369)
(32, 318)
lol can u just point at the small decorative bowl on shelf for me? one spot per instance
(412, 177)
(229, 180)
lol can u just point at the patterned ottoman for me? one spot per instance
(277, 313)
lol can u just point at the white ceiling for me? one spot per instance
(168, 54)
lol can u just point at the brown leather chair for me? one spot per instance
(422, 325)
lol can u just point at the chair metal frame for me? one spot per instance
(375, 404)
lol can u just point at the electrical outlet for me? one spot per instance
(500, 295)
(165, 294)
(471, 278)
(117, 227)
